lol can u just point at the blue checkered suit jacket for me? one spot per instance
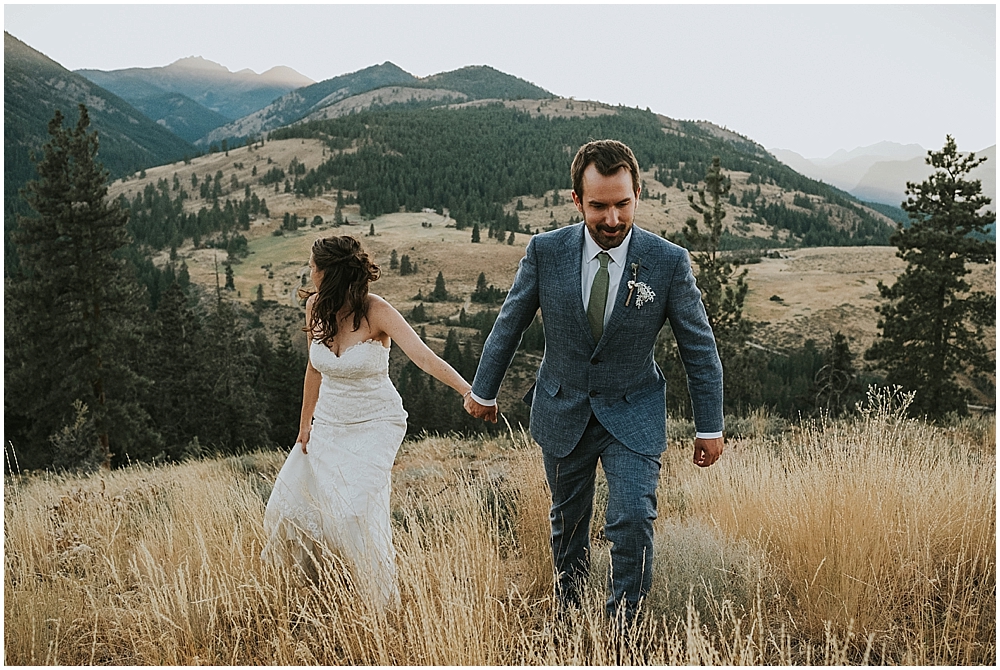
(615, 378)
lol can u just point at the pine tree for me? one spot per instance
(440, 293)
(233, 415)
(405, 268)
(258, 303)
(279, 381)
(723, 287)
(475, 232)
(393, 260)
(452, 351)
(230, 285)
(836, 388)
(75, 313)
(932, 324)
(176, 395)
(418, 314)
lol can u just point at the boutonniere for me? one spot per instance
(646, 294)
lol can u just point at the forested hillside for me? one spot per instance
(482, 82)
(180, 114)
(295, 105)
(474, 161)
(34, 87)
(468, 83)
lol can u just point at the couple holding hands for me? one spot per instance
(604, 288)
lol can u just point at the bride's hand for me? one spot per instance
(302, 440)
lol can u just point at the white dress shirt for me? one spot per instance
(616, 267)
(590, 266)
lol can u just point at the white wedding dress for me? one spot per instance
(336, 496)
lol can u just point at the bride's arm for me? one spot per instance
(310, 392)
(384, 318)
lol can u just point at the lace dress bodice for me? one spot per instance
(356, 386)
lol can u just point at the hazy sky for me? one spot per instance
(810, 78)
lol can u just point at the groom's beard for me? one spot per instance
(609, 237)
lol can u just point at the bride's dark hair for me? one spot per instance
(347, 271)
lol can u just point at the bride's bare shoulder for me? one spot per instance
(380, 310)
(377, 302)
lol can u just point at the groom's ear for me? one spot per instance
(577, 201)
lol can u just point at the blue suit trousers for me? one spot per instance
(632, 479)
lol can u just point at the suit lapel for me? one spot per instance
(636, 252)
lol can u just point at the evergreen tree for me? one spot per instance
(440, 293)
(176, 393)
(723, 287)
(183, 276)
(405, 268)
(234, 413)
(258, 303)
(279, 381)
(487, 294)
(836, 388)
(74, 312)
(371, 230)
(452, 351)
(932, 325)
(230, 285)
(418, 314)
(393, 260)
(475, 232)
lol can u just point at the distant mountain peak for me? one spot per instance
(198, 63)
(286, 74)
(884, 149)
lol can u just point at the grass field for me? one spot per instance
(870, 540)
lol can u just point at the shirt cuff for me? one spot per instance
(486, 403)
(701, 436)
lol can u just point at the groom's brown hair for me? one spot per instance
(608, 156)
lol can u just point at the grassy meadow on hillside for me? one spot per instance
(869, 540)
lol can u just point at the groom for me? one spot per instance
(605, 288)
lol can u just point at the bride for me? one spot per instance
(332, 494)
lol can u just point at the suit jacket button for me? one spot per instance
(593, 394)
(595, 361)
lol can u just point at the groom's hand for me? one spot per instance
(484, 412)
(707, 452)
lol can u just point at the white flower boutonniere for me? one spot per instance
(646, 294)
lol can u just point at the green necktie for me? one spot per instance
(599, 297)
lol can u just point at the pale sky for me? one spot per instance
(810, 78)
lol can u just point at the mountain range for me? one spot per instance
(155, 116)
(321, 100)
(192, 96)
(35, 86)
(879, 172)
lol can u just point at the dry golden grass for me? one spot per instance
(864, 541)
